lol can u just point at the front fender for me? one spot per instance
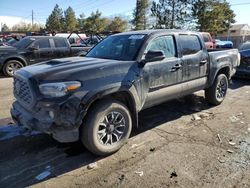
(93, 95)
(15, 57)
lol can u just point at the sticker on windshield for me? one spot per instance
(136, 37)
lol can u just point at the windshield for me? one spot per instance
(119, 47)
(23, 43)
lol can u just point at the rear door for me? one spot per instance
(195, 63)
(194, 57)
(61, 48)
(161, 78)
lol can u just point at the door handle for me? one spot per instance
(176, 67)
(203, 62)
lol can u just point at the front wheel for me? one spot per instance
(11, 66)
(107, 127)
(217, 92)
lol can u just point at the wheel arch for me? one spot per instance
(22, 60)
(222, 70)
(124, 96)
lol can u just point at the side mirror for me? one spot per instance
(154, 56)
(34, 48)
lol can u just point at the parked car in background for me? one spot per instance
(9, 42)
(209, 42)
(34, 49)
(243, 71)
(223, 44)
(72, 37)
(91, 41)
(97, 98)
(245, 46)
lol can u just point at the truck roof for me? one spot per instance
(156, 31)
(38, 37)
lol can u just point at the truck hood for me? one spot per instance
(76, 68)
(6, 49)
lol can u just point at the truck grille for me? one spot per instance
(22, 91)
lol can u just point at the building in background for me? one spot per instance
(238, 33)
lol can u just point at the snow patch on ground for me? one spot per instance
(11, 131)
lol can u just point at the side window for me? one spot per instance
(60, 43)
(42, 43)
(165, 44)
(190, 44)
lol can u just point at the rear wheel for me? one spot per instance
(107, 127)
(217, 92)
(11, 66)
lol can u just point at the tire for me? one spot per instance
(112, 120)
(11, 66)
(217, 92)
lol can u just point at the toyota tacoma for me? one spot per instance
(96, 98)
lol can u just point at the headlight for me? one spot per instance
(58, 89)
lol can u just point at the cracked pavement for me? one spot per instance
(170, 149)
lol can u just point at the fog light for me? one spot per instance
(51, 114)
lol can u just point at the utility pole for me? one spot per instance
(32, 15)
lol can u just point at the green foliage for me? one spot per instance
(70, 19)
(95, 23)
(171, 14)
(80, 21)
(5, 28)
(55, 21)
(141, 14)
(213, 16)
(117, 24)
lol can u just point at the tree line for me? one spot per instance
(66, 21)
(213, 16)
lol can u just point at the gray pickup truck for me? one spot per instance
(97, 98)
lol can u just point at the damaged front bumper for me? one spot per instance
(61, 120)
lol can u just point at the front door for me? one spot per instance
(43, 52)
(161, 78)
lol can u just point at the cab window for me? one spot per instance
(163, 43)
(190, 44)
(60, 43)
(42, 43)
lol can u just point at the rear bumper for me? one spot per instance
(56, 121)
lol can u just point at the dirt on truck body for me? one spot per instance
(97, 98)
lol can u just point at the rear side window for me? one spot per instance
(190, 44)
(43, 43)
(163, 43)
(60, 43)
